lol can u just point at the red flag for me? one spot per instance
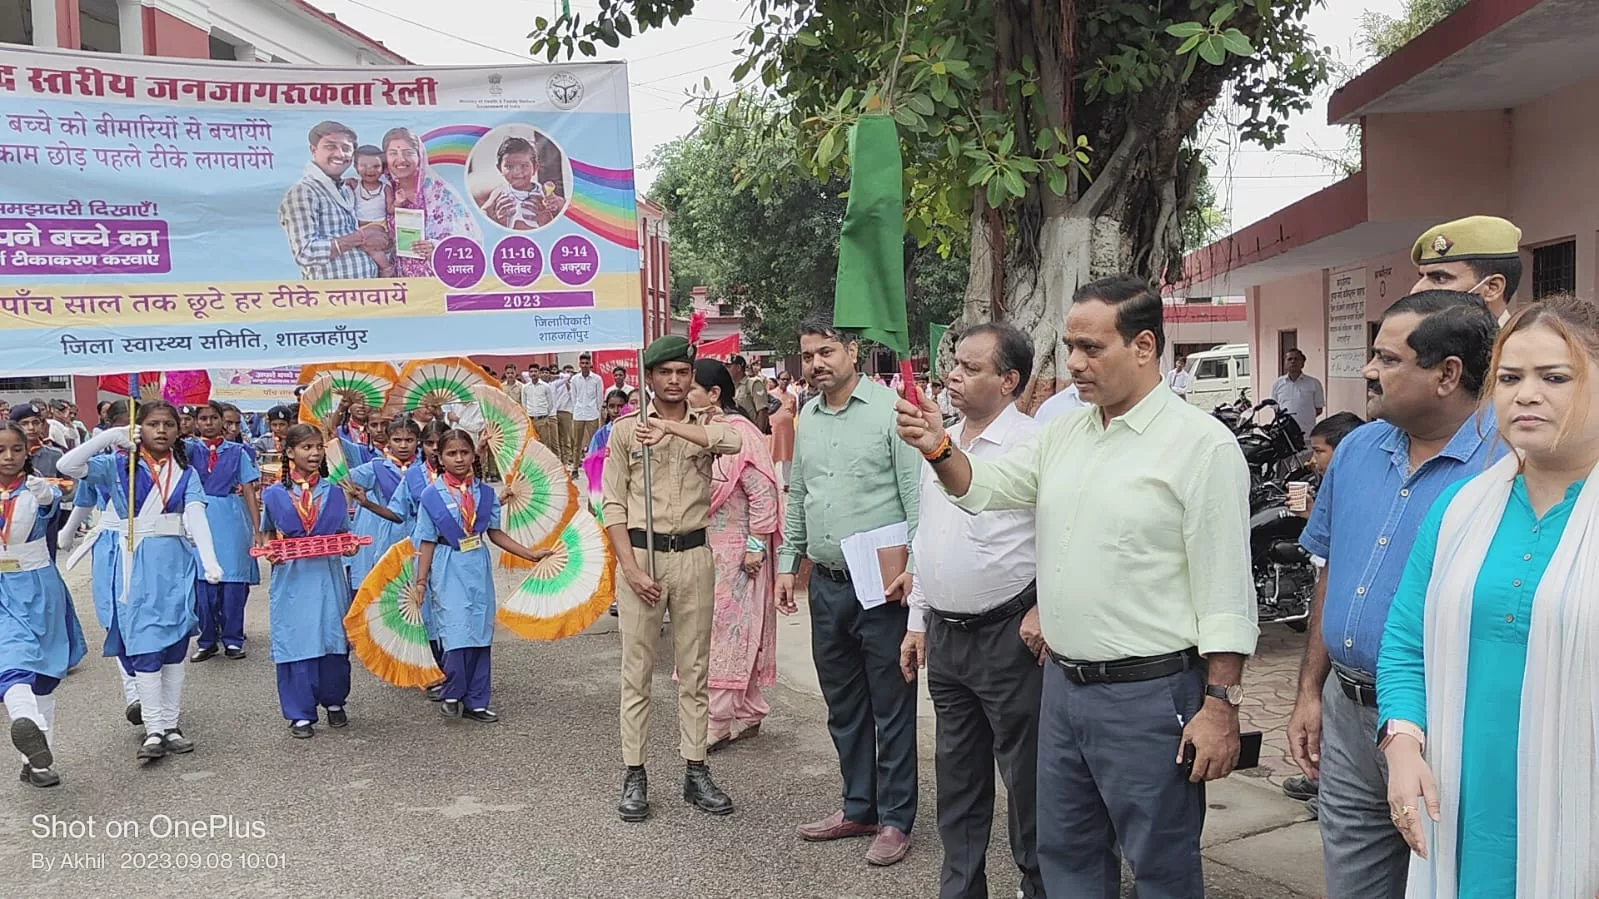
(720, 348)
(149, 384)
(186, 388)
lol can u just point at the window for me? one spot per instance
(1554, 269)
(1243, 366)
(1212, 368)
(49, 386)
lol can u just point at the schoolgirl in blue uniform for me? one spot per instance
(100, 543)
(354, 429)
(233, 429)
(39, 634)
(372, 487)
(404, 503)
(152, 592)
(230, 481)
(456, 514)
(309, 597)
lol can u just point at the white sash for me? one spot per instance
(1557, 785)
(29, 556)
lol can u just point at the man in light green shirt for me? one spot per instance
(853, 474)
(1145, 596)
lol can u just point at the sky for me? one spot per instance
(665, 65)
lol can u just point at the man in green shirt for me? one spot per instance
(1145, 598)
(853, 474)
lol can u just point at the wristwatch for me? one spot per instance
(1232, 694)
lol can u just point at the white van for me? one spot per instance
(1218, 375)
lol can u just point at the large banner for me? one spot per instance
(162, 214)
(254, 389)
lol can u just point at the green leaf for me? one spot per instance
(908, 117)
(953, 144)
(1211, 51)
(920, 104)
(1062, 160)
(940, 68)
(808, 39)
(980, 176)
(827, 150)
(624, 26)
(1189, 44)
(1081, 157)
(1237, 43)
(1007, 142)
(586, 48)
(1222, 14)
(1185, 29)
(1014, 183)
(1057, 182)
(1030, 88)
(996, 193)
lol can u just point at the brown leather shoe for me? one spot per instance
(890, 847)
(834, 827)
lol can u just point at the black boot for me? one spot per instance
(635, 804)
(703, 793)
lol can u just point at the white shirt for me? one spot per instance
(561, 391)
(63, 434)
(588, 395)
(469, 417)
(1060, 403)
(1177, 379)
(537, 400)
(1300, 399)
(968, 564)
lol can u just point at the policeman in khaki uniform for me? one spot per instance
(1480, 254)
(682, 444)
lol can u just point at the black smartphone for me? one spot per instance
(1248, 753)
(1248, 750)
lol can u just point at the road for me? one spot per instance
(405, 803)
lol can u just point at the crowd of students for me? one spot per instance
(199, 497)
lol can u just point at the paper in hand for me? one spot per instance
(869, 570)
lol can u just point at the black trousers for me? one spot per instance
(986, 685)
(871, 710)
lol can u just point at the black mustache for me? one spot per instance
(1374, 387)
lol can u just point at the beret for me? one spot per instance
(1470, 238)
(671, 348)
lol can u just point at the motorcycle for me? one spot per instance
(1284, 576)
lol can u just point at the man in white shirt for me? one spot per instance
(1059, 404)
(1298, 394)
(565, 436)
(619, 380)
(538, 402)
(588, 396)
(1177, 379)
(974, 625)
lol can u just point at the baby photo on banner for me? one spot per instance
(247, 218)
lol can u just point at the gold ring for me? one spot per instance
(1402, 812)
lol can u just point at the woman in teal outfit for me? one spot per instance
(1485, 684)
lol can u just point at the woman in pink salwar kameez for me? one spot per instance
(745, 531)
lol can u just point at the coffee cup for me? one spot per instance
(1298, 496)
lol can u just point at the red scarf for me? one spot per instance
(305, 503)
(213, 446)
(7, 506)
(160, 476)
(466, 496)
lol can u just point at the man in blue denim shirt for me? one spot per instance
(1427, 370)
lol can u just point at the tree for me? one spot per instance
(753, 227)
(1052, 133)
(1379, 37)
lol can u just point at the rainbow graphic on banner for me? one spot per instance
(602, 199)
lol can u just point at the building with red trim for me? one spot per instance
(1489, 112)
(281, 31)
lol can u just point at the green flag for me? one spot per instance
(935, 336)
(870, 293)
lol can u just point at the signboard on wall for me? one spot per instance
(1346, 324)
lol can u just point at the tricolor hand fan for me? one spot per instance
(437, 382)
(538, 499)
(319, 405)
(338, 465)
(369, 382)
(385, 626)
(568, 591)
(506, 428)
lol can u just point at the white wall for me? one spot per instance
(277, 30)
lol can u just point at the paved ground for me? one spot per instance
(405, 803)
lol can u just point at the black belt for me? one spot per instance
(1363, 693)
(668, 543)
(836, 575)
(1126, 671)
(1021, 602)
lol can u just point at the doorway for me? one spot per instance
(1286, 340)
